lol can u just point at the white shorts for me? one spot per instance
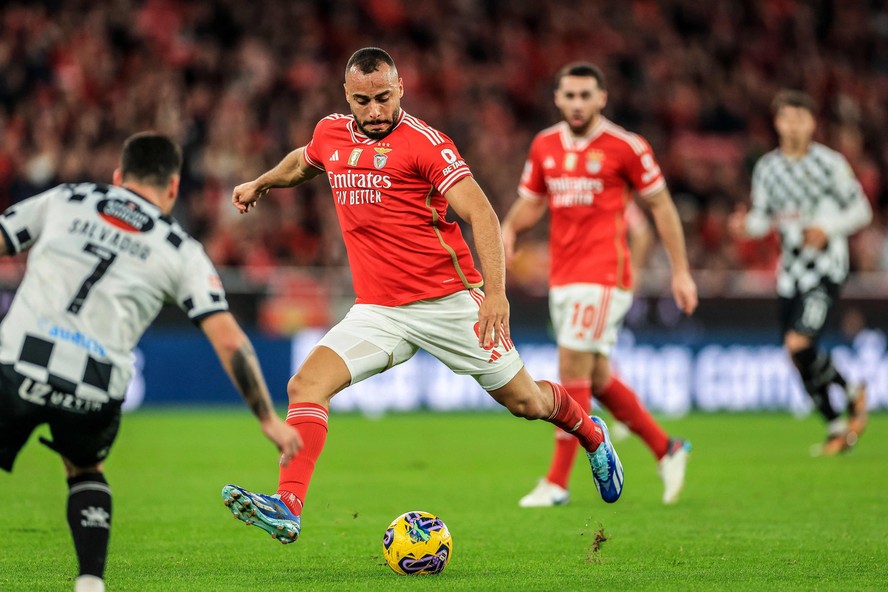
(587, 317)
(371, 339)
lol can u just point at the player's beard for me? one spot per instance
(583, 128)
(378, 135)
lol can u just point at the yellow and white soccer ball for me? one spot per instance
(417, 543)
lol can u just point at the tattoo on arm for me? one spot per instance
(247, 378)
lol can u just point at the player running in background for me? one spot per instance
(392, 178)
(583, 170)
(103, 260)
(810, 194)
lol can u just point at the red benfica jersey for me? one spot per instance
(389, 197)
(588, 183)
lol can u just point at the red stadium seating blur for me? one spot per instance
(239, 86)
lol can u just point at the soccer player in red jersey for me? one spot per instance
(583, 170)
(393, 177)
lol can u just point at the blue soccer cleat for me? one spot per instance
(267, 512)
(606, 467)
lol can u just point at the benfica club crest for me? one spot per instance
(381, 157)
(594, 160)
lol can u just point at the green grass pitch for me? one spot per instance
(758, 512)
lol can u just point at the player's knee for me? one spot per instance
(297, 388)
(598, 384)
(72, 470)
(804, 359)
(796, 342)
(526, 407)
(302, 389)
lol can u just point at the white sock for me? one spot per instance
(837, 426)
(89, 584)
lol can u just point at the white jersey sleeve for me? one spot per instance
(102, 262)
(758, 221)
(850, 210)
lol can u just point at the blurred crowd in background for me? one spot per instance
(240, 84)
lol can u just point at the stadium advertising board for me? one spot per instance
(672, 378)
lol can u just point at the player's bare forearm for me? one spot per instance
(489, 244)
(237, 356)
(291, 171)
(247, 377)
(469, 202)
(669, 229)
(668, 224)
(523, 215)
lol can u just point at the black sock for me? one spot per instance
(817, 372)
(89, 517)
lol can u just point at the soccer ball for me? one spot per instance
(417, 543)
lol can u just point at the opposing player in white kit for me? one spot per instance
(393, 178)
(583, 170)
(809, 193)
(103, 260)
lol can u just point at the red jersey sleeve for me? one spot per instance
(642, 170)
(533, 183)
(311, 154)
(438, 160)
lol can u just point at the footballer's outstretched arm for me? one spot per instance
(469, 202)
(293, 170)
(237, 356)
(668, 224)
(523, 215)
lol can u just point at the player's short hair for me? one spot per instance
(582, 69)
(793, 98)
(369, 59)
(150, 158)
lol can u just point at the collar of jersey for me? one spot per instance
(360, 138)
(572, 142)
(804, 156)
(160, 214)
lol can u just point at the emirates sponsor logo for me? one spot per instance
(354, 189)
(350, 180)
(573, 191)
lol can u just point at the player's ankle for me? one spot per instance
(293, 503)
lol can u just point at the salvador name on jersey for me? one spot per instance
(389, 197)
(588, 183)
(102, 262)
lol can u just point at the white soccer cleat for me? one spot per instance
(544, 495)
(619, 431)
(671, 469)
(89, 584)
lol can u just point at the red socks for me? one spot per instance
(311, 421)
(565, 444)
(625, 406)
(570, 417)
